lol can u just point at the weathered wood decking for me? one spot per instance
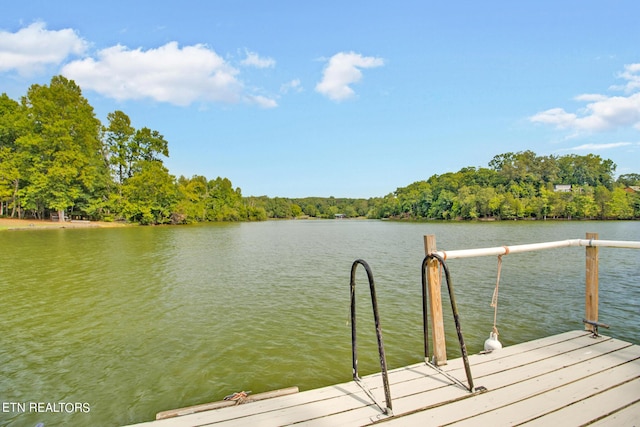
(569, 379)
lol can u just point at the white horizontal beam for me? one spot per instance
(504, 250)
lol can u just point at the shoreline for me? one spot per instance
(14, 224)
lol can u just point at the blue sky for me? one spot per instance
(343, 98)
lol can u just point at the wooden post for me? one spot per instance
(435, 303)
(591, 294)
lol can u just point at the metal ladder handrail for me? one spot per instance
(354, 351)
(456, 318)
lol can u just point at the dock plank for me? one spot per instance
(526, 377)
(535, 402)
(560, 374)
(350, 393)
(629, 416)
(603, 403)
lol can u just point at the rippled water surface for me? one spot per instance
(138, 320)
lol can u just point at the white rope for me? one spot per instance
(494, 298)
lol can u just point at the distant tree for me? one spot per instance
(415, 199)
(118, 139)
(255, 208)
(620, 206)
(310, 209)
(146, 145)
(11, 162)
(589, 170)
(56, 156)
(634, 200)
(629, 179)
(279, 207)
(224, 203)
(602, 197)
(296, 210)
(62, 145)
(130, 153)
(193, 195)
(150, 195)
(465, 204)
(442, 207)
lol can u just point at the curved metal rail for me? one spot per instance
(354, 350)
(456, 318)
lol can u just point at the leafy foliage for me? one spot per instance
(56, 158)
(520, 186)
(59, 148)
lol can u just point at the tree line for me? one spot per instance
(520, 185)
(57, 160)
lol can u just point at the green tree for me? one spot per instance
(620, 204)
(602, 197)
(296, 210)
(118, 140)
(629, 179)
(524, 166)
(634, 200)
(146, 145)
(311, 209)
(589, 170)
(10, 158)
(442, 207)
(466, 203)
(150, 195)
(415, 199)
(279, 207)
(224, 203)
(255, 208)
(131, 153)
(585, 205)
(483, 200)
(63, 147)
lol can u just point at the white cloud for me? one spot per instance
(601, 113)
(293, 85)
(590, 97)
(180, 75)
(555, 116)
(262, 101)
(254, 60)
(598, 147)
(612, 113)
(631, 74)
(31, 48)
(169, 73)
(343, 70)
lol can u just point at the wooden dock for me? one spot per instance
(572, 379)
(569, 379)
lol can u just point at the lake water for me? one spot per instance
(110, 326)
